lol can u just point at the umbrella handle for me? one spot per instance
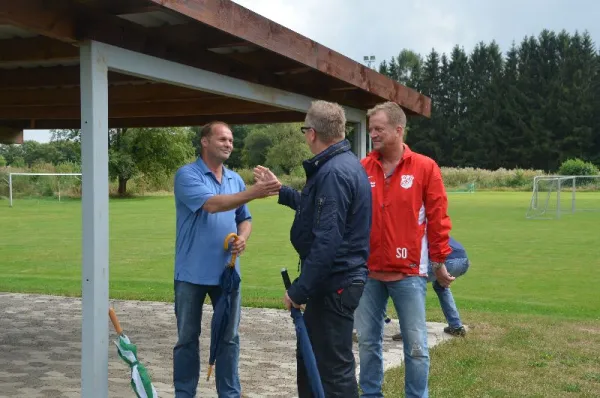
(115, 321)
(286, 278)
(226, 247)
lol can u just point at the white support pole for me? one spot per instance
(360, 138)
(94, 162)
(363, 137)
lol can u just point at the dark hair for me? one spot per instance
(207, 129)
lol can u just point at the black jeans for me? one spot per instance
(329, 320)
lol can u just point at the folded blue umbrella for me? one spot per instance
(304, 345)
(229, 282)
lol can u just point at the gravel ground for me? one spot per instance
(40, 348)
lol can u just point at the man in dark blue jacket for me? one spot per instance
(331, 235)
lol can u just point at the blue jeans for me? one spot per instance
(408, 296)
(189, 299)
(456, 267)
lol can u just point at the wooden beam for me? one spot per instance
(94, 24)
(123, 7)
(10, 135)
(293, 71)
(37, 50)
(70, 22)
(43, 81)
(236, 20)
(242, 118)
(120, 94)
(197, 35)
(122, 33)
(256, 58)
(345, 88)
(28, 78)
(53, 19)
(217, 106)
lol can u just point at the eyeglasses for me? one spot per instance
(305, 129)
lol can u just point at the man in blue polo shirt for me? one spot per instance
(210, 204)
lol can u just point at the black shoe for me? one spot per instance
(397, 337)
(461, 331)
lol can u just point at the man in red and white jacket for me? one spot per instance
(410, 227)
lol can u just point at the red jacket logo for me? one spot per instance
(406, 181)
(371, 180)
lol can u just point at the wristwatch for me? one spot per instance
(436, 265)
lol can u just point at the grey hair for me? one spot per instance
(328, 119)
(395, 114)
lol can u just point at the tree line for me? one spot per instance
(533, 107)
(156, 153)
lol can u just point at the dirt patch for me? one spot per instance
(591, 330)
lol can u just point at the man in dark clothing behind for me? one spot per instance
(331, 235)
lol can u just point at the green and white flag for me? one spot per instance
(140, 380)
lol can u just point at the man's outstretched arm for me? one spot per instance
(288, 196)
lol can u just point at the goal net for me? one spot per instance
(554, 196)
(38, 185)
(465, 188)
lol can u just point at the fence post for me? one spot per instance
(10, 188)
(558, 198)
(573, 196)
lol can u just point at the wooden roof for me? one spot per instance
(39, 63)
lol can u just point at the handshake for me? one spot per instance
(265, 183)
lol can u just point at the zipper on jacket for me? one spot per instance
(319, 207)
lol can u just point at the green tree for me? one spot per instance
(289, 150)
(65, 135)
(151, 151)
(533, 108)
(256, 146)
(37, 152)
(409, 64)
(425, 133)
(383, 68)
(511, 106)
(18, 161)
(11, 152)
(577, 97)
(451, 107)
(392, 69)
(595, 120)
(279, 145)
(66, 151)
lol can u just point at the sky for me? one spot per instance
(355, 28)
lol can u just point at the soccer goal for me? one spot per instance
(556, 195)
(465, 188)
(54, 185)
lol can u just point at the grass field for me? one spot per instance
(530, 297)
